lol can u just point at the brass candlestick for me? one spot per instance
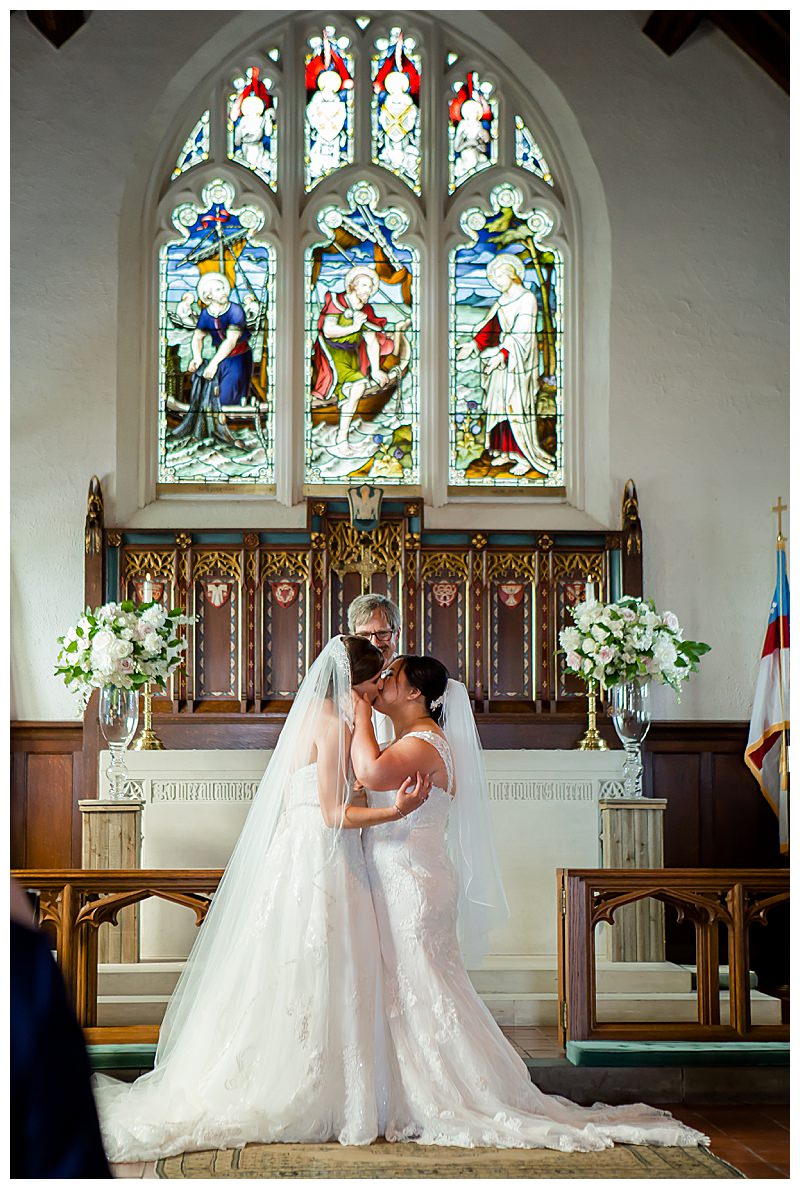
(592, 741)
(149, 740)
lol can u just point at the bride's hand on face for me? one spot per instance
(412, 793)
(362, 706)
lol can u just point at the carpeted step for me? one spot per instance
(626, 1053)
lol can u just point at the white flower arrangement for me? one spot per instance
(614, 643)
(121, 644)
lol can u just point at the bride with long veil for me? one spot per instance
(437, 892)
(270, 1035)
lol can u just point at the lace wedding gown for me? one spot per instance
(280, 1045)
(459, 1081)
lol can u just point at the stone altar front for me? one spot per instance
(545, 808)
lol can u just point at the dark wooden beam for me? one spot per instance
(57, 26)
(669, 30)
(763, 36)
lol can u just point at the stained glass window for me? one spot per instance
(216, 344)
(473, 117)
(196, 147)
(252, 125)
(506, 374)
(362, 345)
(396, 141)
(367, 261)
(527, 152)
(329, 105)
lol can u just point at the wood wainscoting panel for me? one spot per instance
(743, 827)
(46, 765)
(677, 778)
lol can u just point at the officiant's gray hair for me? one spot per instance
(366, 605)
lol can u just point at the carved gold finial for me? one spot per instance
(183, 540)
(93, 528)
(780, 508)
(479, 541)
(631, 524)
(545, 541)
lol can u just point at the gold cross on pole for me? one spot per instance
(366, 568)
(780, 508)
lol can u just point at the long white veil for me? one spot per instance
(482, 904)
(204, 989)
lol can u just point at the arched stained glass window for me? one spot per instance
(196, 147)
(362, 334)
(506, 402)
(362, 236)
(252, 125)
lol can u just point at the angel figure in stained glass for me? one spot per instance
(327, 82)
(397, 87)
(350, 347)
(472, 117)
(507, 344)
(253, 118)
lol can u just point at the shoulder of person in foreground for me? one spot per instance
(54, 1132)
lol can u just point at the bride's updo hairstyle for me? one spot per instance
(430, 677)
(366, 661)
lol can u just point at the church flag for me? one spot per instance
(766, 754)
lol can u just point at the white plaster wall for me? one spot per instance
(688, 154)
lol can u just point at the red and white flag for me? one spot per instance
(766, 754)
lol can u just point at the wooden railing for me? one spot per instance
(78, 902)
(710, 899)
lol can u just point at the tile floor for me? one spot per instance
(755, 1140)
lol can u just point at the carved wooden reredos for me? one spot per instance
(489, 604)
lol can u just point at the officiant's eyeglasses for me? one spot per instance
(379, 637)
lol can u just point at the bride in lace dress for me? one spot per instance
(270, 1035)
(457, 1079)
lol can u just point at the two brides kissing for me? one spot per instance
(326, 996)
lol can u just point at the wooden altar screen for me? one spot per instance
(489, 604)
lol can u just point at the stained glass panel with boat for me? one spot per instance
(362, 345)
(216, 344)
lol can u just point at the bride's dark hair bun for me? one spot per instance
(430, 677)
(366, 661)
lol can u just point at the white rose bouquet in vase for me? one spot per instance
(120, 648)
(623, 646)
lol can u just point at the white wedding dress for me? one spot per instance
(457, 1080)
(281, 1046)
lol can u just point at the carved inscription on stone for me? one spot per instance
(540, 790)
(204, 790)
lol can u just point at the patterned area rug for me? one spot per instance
(412, 1160)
